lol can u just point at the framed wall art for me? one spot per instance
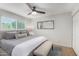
(49, 24)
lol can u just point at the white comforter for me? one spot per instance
(25, 48)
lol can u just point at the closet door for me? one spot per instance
(76, 33)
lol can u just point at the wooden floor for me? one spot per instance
(66, 51)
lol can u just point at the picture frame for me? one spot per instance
(49, 24)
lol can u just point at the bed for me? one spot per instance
(12, 46)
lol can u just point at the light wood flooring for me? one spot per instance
(66, 51)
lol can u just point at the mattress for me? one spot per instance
(8, 45)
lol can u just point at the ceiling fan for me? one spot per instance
(34, 10)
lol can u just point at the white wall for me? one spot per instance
(76, 33)
(62, 34)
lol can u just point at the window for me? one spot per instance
(20, 25)
(8, 23)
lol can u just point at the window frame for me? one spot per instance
(23, 21)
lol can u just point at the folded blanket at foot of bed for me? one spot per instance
(25, 48)
(43, 49)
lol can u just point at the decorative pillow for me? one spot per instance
(27, 32)
(21, 35)
(8, 35)
(31, 33)
(0, 36)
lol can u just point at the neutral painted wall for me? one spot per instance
(62, 34)
(76, 33)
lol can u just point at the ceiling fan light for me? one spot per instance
(34, 13)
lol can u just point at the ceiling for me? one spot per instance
(54, 8)
(50, 8)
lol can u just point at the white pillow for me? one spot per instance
(21, 35)
(31, 33)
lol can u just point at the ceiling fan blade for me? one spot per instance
(29, 13)
(40, 12)
(29, 5)
(34, 9)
